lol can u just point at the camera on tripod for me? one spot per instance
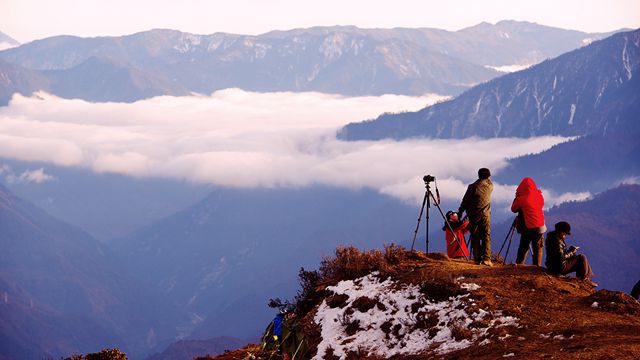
(426, 203)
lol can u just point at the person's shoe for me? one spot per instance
(487, 262)
(590, 282)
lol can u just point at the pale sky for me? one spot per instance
(27, 20)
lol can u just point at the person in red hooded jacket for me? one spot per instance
(530, 222)
(456, 249)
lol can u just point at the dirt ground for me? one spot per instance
(560, 317)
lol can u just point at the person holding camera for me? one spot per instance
(477, 203)
(561, 260)
(456, 247)
(528, 204)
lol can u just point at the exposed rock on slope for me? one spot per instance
(401, 305)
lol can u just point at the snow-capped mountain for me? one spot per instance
(344, 60)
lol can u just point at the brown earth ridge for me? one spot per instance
(558, 317)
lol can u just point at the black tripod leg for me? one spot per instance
(513, 224)
(415, 233)
(508, 246)
(427, 219)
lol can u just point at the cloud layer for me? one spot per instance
(244, 139)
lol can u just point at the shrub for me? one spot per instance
(105, 354)
(307, 296)
(350, 263)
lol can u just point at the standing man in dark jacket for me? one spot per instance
(477, 203)
(561, 260)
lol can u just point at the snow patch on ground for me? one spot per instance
(402, 321)
(470, 286)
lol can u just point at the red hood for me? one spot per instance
(526, 186)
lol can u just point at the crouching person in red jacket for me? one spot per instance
(456, 249)
(530, 223)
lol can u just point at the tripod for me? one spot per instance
(428, 195)
(512, 231)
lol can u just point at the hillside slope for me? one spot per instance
(401, 305)
(589, 163)
(63, 292)
(17, 79)
(222, 258)
(591, 90)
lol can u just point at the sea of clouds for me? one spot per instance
(245, 139)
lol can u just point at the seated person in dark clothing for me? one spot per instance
(561, 260)
(635, 292)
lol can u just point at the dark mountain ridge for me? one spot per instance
(591, 90)
(222, 258)
(590, 163)
(63, 292)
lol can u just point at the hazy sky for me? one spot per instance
(27, 20)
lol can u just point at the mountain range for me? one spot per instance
(341, 59)
(591, 90)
